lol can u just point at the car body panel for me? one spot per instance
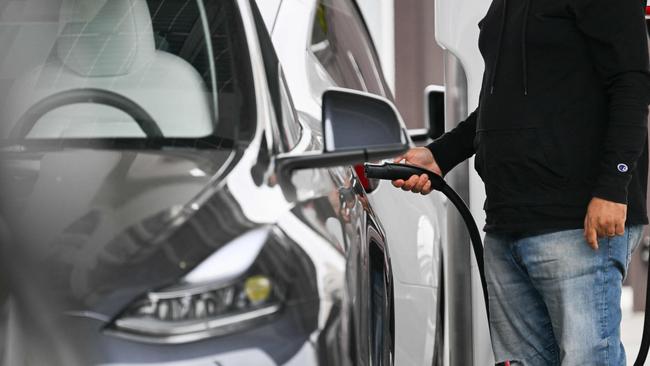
(414, 225)
(416, 336)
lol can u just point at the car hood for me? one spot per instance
(90, 230)
(96, 194)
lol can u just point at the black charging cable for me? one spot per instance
(390, 171)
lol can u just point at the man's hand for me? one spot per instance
(422, 157)
(604, 219)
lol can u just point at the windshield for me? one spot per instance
(140, 70)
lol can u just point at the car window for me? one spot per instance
(291, 128)
(343, 46)
(137, 69)
(287, 131)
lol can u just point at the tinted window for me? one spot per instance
(288, 130)
(291, 129)
(137, 69)
(343, 46)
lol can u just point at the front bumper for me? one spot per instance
(76, 341)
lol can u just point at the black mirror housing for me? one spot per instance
(434, 116)
(357, 127)
(353, 121)
(435, 110)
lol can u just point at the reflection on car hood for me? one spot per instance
(96, 194)
(89, 224)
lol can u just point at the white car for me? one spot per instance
(148, 210)
(323, 44)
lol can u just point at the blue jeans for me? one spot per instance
(554, 300)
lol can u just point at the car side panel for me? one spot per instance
(413, 224)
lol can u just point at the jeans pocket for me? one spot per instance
(634, 235)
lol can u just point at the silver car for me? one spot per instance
(162, 203)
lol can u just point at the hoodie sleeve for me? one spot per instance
(455, 146)
(615, 31)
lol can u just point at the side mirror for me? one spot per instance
(357, 127)
(434, 115)
(435, 104)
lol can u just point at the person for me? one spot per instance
(560, 137)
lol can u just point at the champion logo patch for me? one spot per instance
(623, 168)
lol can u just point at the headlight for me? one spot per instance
(243, 284)
(185, 315)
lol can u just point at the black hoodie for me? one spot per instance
(562, 114)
